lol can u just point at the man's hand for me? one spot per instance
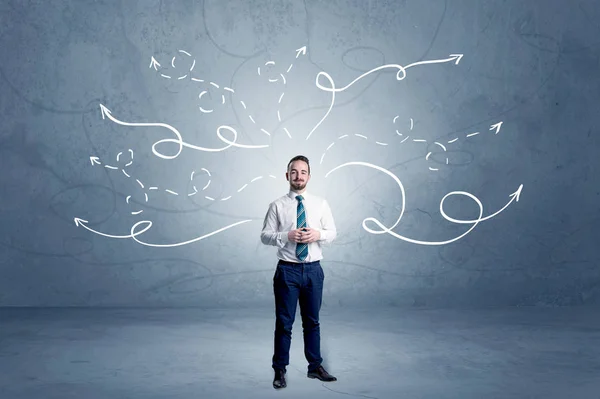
(309, 235)
(295, 235)
(304, 236)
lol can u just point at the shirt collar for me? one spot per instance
(292, 194)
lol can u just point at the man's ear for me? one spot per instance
(287, 176)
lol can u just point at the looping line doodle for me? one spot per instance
(300, 51)
(208, 103)
(383, 229)
(495, 127)
(400, 75)
(208, 184)
(96, 161)
(106, 113)
(205, 92)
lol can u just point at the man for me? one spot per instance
(298, 224)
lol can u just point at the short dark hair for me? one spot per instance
(299, 158)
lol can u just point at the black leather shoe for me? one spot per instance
(321, 374)
(279, 380)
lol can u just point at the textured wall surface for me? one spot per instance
(181, 116)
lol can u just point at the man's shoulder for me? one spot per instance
(317, 199)
(280, 200)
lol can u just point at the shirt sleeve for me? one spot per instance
(269, 234)
(328, 231)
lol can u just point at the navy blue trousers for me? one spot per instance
(293, 283)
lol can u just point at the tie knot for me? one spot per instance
(299, 197)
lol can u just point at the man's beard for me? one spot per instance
(298, 186)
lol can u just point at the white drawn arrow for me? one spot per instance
(497, 127)
(400, 68)
(133, 234)
(106, 113)
(452, 57)
(154, 64)
(400, 75)
(96, 160)
(83, 223)
(384, 229)
(513, 197)
(301, 50)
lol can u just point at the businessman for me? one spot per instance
(298, 224)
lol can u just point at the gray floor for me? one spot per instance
(377, 353)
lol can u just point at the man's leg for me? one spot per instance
(311, 295)
(286, 288)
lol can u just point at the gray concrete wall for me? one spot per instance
(532, 65)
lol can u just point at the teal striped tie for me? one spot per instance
(301, 249)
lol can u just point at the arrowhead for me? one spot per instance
(458, 57)
(154, 63)
(497, 127)
(517, 193)
(79, 221)
(95, 160)
(301, 50)
(105, 111)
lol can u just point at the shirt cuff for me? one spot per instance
(283, 236)
(323, 235)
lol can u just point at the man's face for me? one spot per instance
(298, 175)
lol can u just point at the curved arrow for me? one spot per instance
(514, 197)
(400, 75)
(384, 229)
(301, 50)
(496, 127)
(106, 113)
(83, 223)
(154, 64)
(133, 234)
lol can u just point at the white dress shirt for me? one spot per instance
(281, 218)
